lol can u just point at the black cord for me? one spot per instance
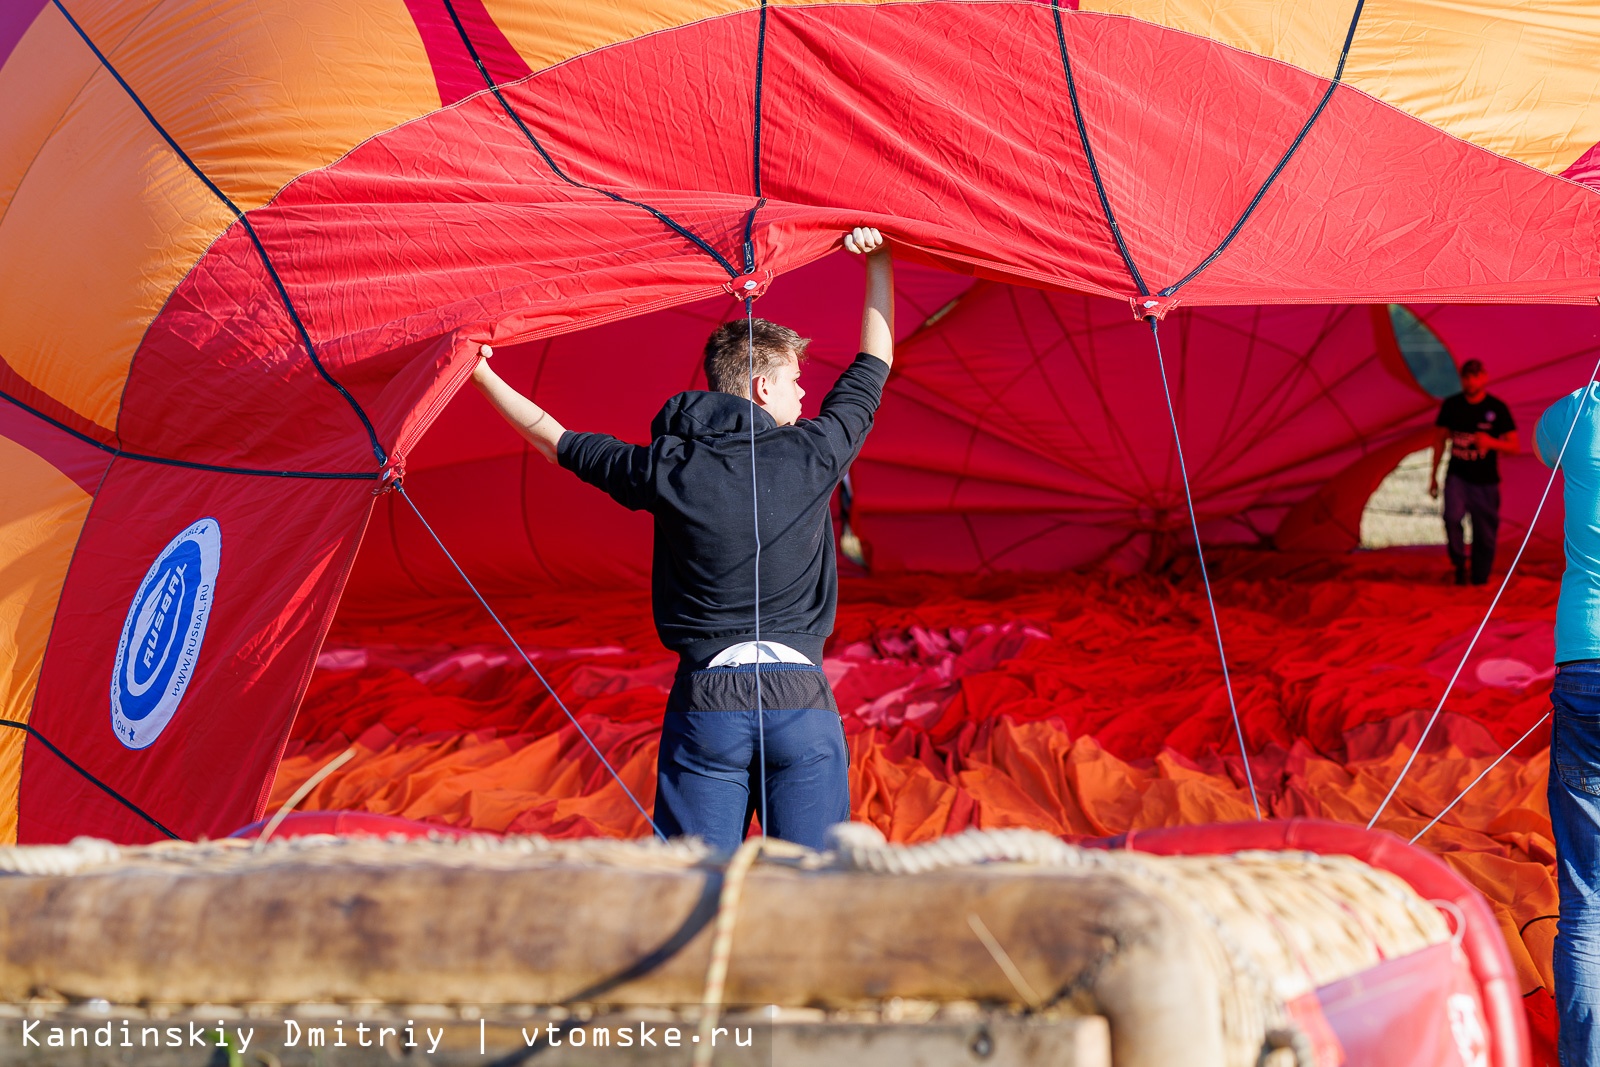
(1088, 152)
(1255, 201)
(1294, 147)
(661, 216)
(33, 732)
(266, 260)
(118, 453)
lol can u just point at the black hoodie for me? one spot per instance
(694, 477)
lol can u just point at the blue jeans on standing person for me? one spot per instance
(1482, 502)
(1575, 820)
(709, 772)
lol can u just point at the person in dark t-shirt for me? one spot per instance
(1477, 427)
(710, 451)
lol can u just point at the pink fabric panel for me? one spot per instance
(1586, 168)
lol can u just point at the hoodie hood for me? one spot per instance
(700, 414)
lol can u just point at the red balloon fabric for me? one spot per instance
(1022, 429)
(263, 300)
(265, 296)
(1084, 704)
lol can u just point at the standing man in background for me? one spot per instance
(1574, 789)
(1477, 426)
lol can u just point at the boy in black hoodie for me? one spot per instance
(695, 478)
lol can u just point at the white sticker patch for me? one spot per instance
(162, 635)
(1466, 1026)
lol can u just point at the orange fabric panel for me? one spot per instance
(261, 91)
(547, 32)
(1517, 79)
(89, 253)
(46, 70)
(41, 513)
(11, 745)
(1307, 35)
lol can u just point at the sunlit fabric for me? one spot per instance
(1086, 705)
(248, 251)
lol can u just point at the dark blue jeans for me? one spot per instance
(1575, 819)
(1482, 502)
(708, 775)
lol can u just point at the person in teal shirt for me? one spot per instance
(1578, 611)
(1574, 787)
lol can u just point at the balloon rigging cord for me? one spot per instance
(755, 518)
(1481, 776)
(1155, 332)
(243, 218)
(1194, 525)
(399, 487)
(1505, 581)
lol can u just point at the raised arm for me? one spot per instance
(527, 418)
(877, 315)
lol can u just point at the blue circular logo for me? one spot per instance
(162, 634)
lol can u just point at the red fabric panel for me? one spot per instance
(1586, 168)
(489, 242)
(221, 384)
(1184, 129)
(453, 68)
(285, 549)
(959, 137)
(1026, 404)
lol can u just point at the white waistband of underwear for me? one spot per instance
(747, 652)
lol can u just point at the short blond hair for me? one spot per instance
(734, 346)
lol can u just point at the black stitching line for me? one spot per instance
(661, 216)
(1255, 202)
(1294, 146)
(1536, 919)
(755, 141)
(261, 250)
(118, 453)
(1088, 152)
(33, 732)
